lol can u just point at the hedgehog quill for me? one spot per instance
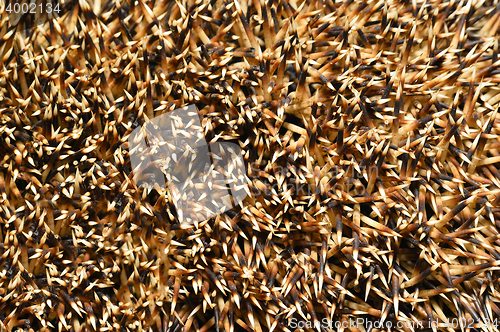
(369, 132)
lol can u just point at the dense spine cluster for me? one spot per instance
(370, 136)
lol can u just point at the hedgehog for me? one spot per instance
(369, 135)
